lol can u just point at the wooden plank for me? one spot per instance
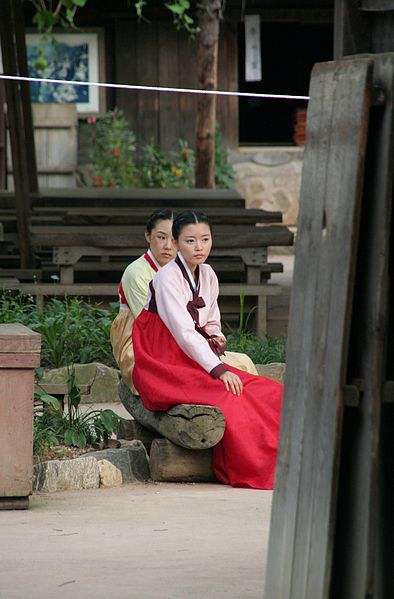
(168, 77)
(301, 535)
(17, 133)
(147, 126)
(23, 70)
(2, 138)
(112, 289)
(227, 107)
(356, 541)
(116, 217)
(187, 61)
(377, 5)
(225, 236)
(257, 290)
(126, 68)
(352, 29)
(382, 32)
(71, 254)
(149, 198)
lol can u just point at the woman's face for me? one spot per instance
(161, 242)
(194, 243)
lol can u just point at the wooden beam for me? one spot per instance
(377, 5)
(352, 29)
(207, 67)
(303, 513)
(3, 167)
(17, 132)
(356, 530)
(23, 70)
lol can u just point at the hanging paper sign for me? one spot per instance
(252, 48)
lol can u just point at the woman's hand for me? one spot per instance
(232, 382)
(221, 344)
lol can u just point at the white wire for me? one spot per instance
(155, 88)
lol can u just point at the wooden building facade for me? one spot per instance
(294, 36)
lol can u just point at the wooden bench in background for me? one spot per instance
(88, 236)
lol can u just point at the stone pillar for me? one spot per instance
(19, 355)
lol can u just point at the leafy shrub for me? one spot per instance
(261, 350)
(72, 330)
(167, 171)
(78, 427)
(112, 146)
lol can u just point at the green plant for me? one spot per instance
(112, 146)
(17, 307)
(176, 169)
(71, 329)
(46, 431)
(179, 11)
(50, 14)
(89, 426)
(261, 350)
(224, 171)
(76, 427)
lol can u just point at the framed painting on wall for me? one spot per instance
(71, 57)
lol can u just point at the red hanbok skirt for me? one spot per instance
(165, 376)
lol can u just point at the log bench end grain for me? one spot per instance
(189, 426)
(170, 463)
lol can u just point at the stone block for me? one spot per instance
(102, 380)
(110, 475)
(133, 461)
(66, 475)
(275, 371)
(133, 430)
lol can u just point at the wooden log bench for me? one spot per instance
(187, 433)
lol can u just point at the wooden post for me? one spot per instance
(207, 65)
(362, 26)
(20, 43)
(356, 535)
(3, 166)
(303, 514)
(16, 127)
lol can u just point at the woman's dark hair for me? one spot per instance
(158, 215)
(188, 217)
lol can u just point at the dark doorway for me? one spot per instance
(288, 53)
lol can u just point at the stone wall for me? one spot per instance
(270, 178)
